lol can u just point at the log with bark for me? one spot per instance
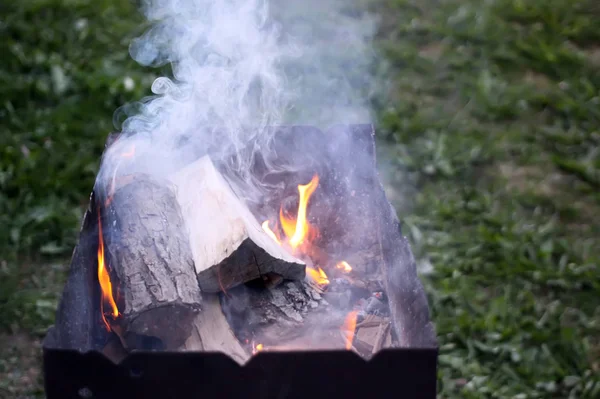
(228, 244)
(150, 264)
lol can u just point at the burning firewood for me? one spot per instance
(229, 247)
(154, 296)
(185, 265)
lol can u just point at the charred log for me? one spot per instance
(274, 314)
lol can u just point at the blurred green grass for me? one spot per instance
(489, 137)
(494, 113)
(65, 72)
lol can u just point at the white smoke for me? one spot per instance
(240, 66)
(226, 57)
(331, 79)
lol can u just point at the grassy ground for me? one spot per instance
(494, 112)
(64, 71)
(489, 136)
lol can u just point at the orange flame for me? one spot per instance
(288, 225)
(344, 266)
(349, 327)
(318, 275)
(296, 230)
(302, 226)
(270, 232)
(104, 279)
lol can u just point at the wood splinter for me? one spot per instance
(212, 333)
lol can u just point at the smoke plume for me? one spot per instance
(238, 67)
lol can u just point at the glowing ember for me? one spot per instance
(349, 327)
(257, 348)
(104, 279)
(317, 275)
(344, 266)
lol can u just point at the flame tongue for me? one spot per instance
(298, 230)
(104, 279)
(344, 266)
(349, 327)
(270, 232)
(317, 275)
(302, 226)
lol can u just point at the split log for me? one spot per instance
(212, 333)
(150, 265)
(229, 246)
